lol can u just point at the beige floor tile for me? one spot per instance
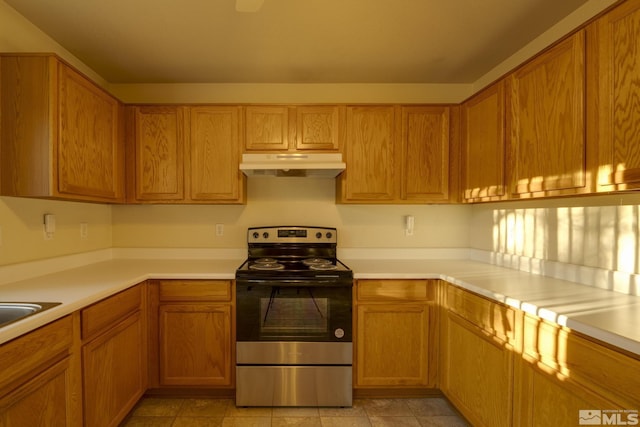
(357, 410)
(157, 407)
(136, 421)
(234, 411)
(246, 422)
(387, 408)
(204, 408)
(295, 412)
(198, 422)
(295, 422)
(394, 422)
(430, 406)
(345, 421)
(442, 421)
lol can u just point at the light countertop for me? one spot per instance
(609, 316)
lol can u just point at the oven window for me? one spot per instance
(302, 314)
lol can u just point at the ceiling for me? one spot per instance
(294, 41)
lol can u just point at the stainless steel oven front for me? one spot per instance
(293, 342)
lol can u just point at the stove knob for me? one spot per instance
(256, 234)
(318, 235)
(329, 234)
(265, 235)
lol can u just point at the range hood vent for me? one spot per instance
(318, 165)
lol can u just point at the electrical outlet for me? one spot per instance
(84, 231)
(219, 230)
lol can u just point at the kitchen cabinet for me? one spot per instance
(193, 333)
(563, 372)
(479, 341)
(61, 135)
(547, 146)
(293, 128)
(114, 356)
(396, 331)
(483, 145)
(40, 381)
(180, 154)
(613, 86)
(396, 154)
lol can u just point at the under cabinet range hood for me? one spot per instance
(319, 165)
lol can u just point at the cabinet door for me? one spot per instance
(114, 366)
(425, 154)
(317, 128)
(90, 151)
(392, 345)
(41, 401)
(615, 48)
(477, 373)
(195, 344)
(548, 152)
(159, 147)
(483, 145)
(214, 155)
(267, 128)
(370, 155)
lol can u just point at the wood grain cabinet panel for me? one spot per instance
(318, 128)
(40, 378)
(546, 122)
(370, 155)
(114, 357)
(61, 135)
(157, 158)
(267, 128)
(396, 334)
(614, 50)
(483, 145)
(214, 155)
(425, 154)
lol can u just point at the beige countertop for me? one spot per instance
(606, 315)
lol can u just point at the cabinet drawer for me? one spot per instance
(103, 315)
(195, 290)
(22, 355)
(394, 290)
(557, 349)
(493, 318)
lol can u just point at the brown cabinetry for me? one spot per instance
(60, 134)
(194, 333)
(548, 153)
(179, 154)
(478, 343)
(483, 145)
(396, 155)
(114, 356)
(395, 334)
(293, 128)
(40, 379)
(613, 86)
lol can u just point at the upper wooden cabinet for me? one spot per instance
(483, 145)
(545, 123)
(60, 133)
(293, 128)
(184, 154)
(614, 89)
(396, 155)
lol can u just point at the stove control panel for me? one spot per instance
(292, 234)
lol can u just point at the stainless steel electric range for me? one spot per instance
(293, 320)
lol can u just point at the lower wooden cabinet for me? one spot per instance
(114, 356)
(194, 334)
(395, 334)
(40, 379)
(478, 343)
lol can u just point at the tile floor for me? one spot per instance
(161, 412)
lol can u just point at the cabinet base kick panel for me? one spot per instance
(294, 386)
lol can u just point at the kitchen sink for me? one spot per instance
(13, 311)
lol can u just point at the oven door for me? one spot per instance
(293, 311)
